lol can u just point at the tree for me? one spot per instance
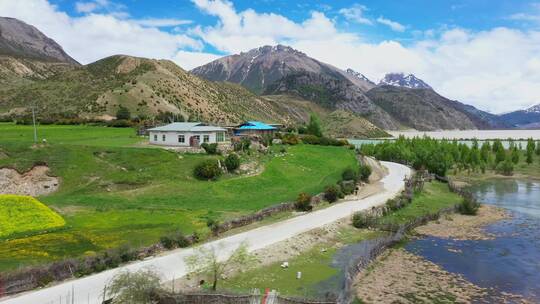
(133, 288)
(232, 162)
(500, 156)
(314, 126)
(515, 155)
(211, 149)
(123, 113)
(206, 261)
(538, 147)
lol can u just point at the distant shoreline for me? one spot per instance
(471, 134)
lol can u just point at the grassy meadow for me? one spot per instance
(434, 197)
(115, 191)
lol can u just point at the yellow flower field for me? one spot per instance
(20, 214)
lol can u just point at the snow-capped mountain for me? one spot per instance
(525, 119)
(533, 109)
(404, 81)
(359, 76)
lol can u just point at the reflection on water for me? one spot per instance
(510, 262)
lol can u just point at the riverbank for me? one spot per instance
(400, 276)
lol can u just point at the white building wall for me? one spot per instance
(171, 138)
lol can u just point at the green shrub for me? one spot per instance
(303, 202)
(349, 174)
(505, 168)
(311, 139)
(392, 204)
(347, 187)
(469, 206)
(117, 123)
(232, 162)
(174, 240)
(211, 149)
(123, 113)
(332, 193)
(207, 170)
(363, 220)
(290, 139)
(364, 172)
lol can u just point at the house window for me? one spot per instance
(206, 138)
(163, 137)
(220, 137)
(181, 139)
(155, 137)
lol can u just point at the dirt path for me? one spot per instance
(34, 182)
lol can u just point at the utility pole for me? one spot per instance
(34, 122)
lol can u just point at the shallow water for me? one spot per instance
(511, 261)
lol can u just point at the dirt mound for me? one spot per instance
(34, 182)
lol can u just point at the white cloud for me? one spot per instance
(162, 22)
(189, 60)
(356, 14)
(395, 26)
(240, 31)
(86, 7)
(94, 36)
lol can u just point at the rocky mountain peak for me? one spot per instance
(21, 40)
(359, 76)
(404, 81)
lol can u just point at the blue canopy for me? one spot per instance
(255, 125)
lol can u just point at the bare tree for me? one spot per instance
(207, 262)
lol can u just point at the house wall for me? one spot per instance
(171, 138)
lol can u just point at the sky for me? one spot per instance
(481, 52)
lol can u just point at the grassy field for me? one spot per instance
(434, 197)
(114, 192)
(25, 214)
(315, 265)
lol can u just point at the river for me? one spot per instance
(511, 261)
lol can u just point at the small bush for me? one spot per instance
(349, 174)
(332, 193)
(123, 113)
(311, 139)
(364, 172)
(469, 206)
(207, 170)
(347, 187)
(211, 149)
(392, 204)
(363, 220)
(232, 162)
(505, 168)
(303, 202)
(174, 240)
(119, 123)
(290, 139)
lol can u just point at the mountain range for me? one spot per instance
(271, 83)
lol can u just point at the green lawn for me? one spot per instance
(113, 193)
(434, 197)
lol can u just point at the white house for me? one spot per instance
(187, 134)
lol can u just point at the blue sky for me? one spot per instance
(485, 53)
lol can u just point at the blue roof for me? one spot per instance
(255, 125)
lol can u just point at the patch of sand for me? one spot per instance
(398, 276)
(35, 182)
(464, 227)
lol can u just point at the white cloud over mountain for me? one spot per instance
(497, 69)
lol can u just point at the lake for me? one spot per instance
(471, 134)
(511, 261)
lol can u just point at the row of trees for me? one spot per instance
(439, 156)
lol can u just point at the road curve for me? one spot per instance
(89, 289)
